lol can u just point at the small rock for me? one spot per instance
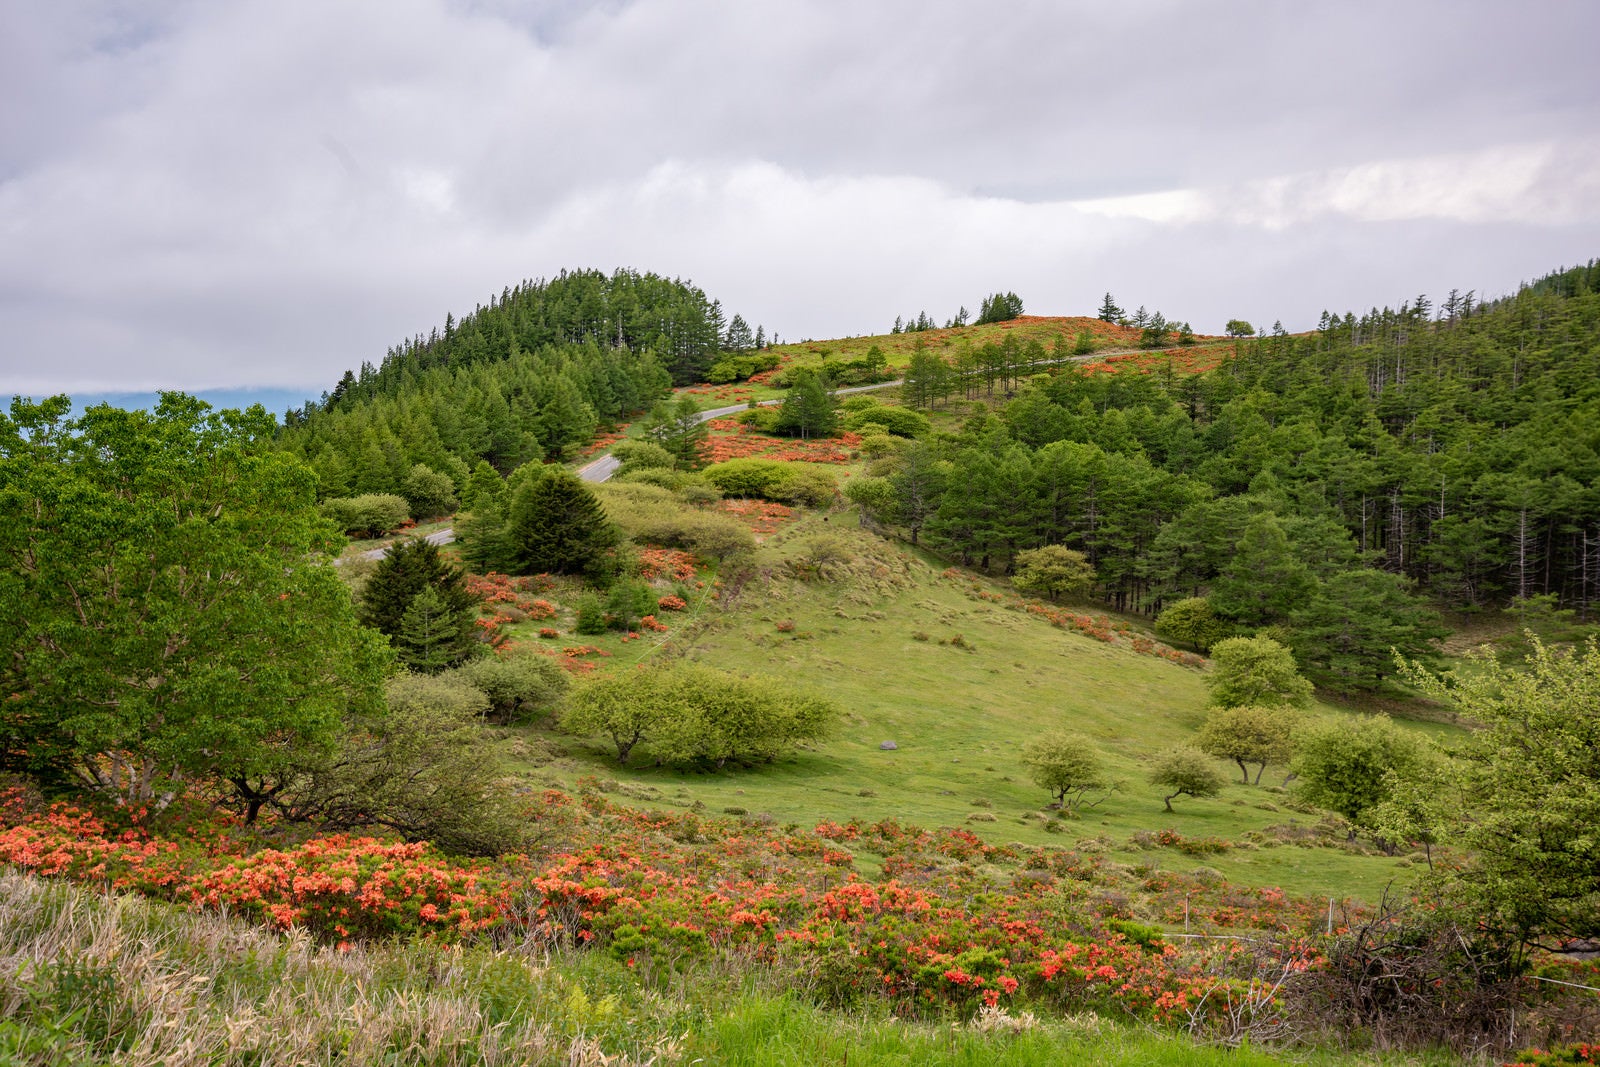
(888, 746)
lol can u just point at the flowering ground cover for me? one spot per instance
(763, 516)
(731, 439)
(952, 921)
(603, 440)
(101, 978)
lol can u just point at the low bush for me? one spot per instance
(688, 714)
(901, 422)
(777, 480)
(368, 515)
(518, 687)
(655, 515)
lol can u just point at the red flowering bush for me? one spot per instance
(495, 588)
(342, 887)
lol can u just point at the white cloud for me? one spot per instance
(1543, 184)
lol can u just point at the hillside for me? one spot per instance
(878, 635)
(1021, 696)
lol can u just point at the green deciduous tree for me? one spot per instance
(1192, 622)
(519, 687)
(691, 714)
(166, 611)
(1351, 765)
(367, 515)
(1249, 735)
(1255, 671)
(428, 493)
(1522, 795)
(1053, 570)
(423, 769)
(1187, 772)
(1068, 765)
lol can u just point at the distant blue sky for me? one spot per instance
(209, 194)
(276, 401)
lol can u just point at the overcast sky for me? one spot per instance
(236, 193)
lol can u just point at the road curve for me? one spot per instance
(438, 537)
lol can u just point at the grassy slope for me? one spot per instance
(960, 718)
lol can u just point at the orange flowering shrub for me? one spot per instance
(495, 588)
(951, 922)
(731, 439)
(342, 887)
(763, 516)
(668, 563)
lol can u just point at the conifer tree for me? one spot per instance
(557, 526)
(809, 410)
(407, 569)
(433, 637)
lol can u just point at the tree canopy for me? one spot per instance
(1522, 794)
(166, 606)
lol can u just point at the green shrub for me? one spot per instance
(368, 515)
(628, 600)
(770, 479)
(591, 615)
(691, 714)
(652, 514)
(642, 455)
(428, 493)
(518, 687)
(761, 419)
(901, 422)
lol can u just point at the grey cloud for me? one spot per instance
(269, 192)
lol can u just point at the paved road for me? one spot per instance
(602, 467)
(438, 537)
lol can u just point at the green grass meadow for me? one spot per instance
(882, 643)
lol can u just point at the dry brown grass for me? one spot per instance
(178, 988)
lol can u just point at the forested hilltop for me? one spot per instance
(1338, 486)
(1332, 485)
(527, 377)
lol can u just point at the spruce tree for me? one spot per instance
(557, 526)
(407, 569)
(433, 637)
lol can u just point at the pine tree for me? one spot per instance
(1109, 311)
(739, 338)
(809, 410)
